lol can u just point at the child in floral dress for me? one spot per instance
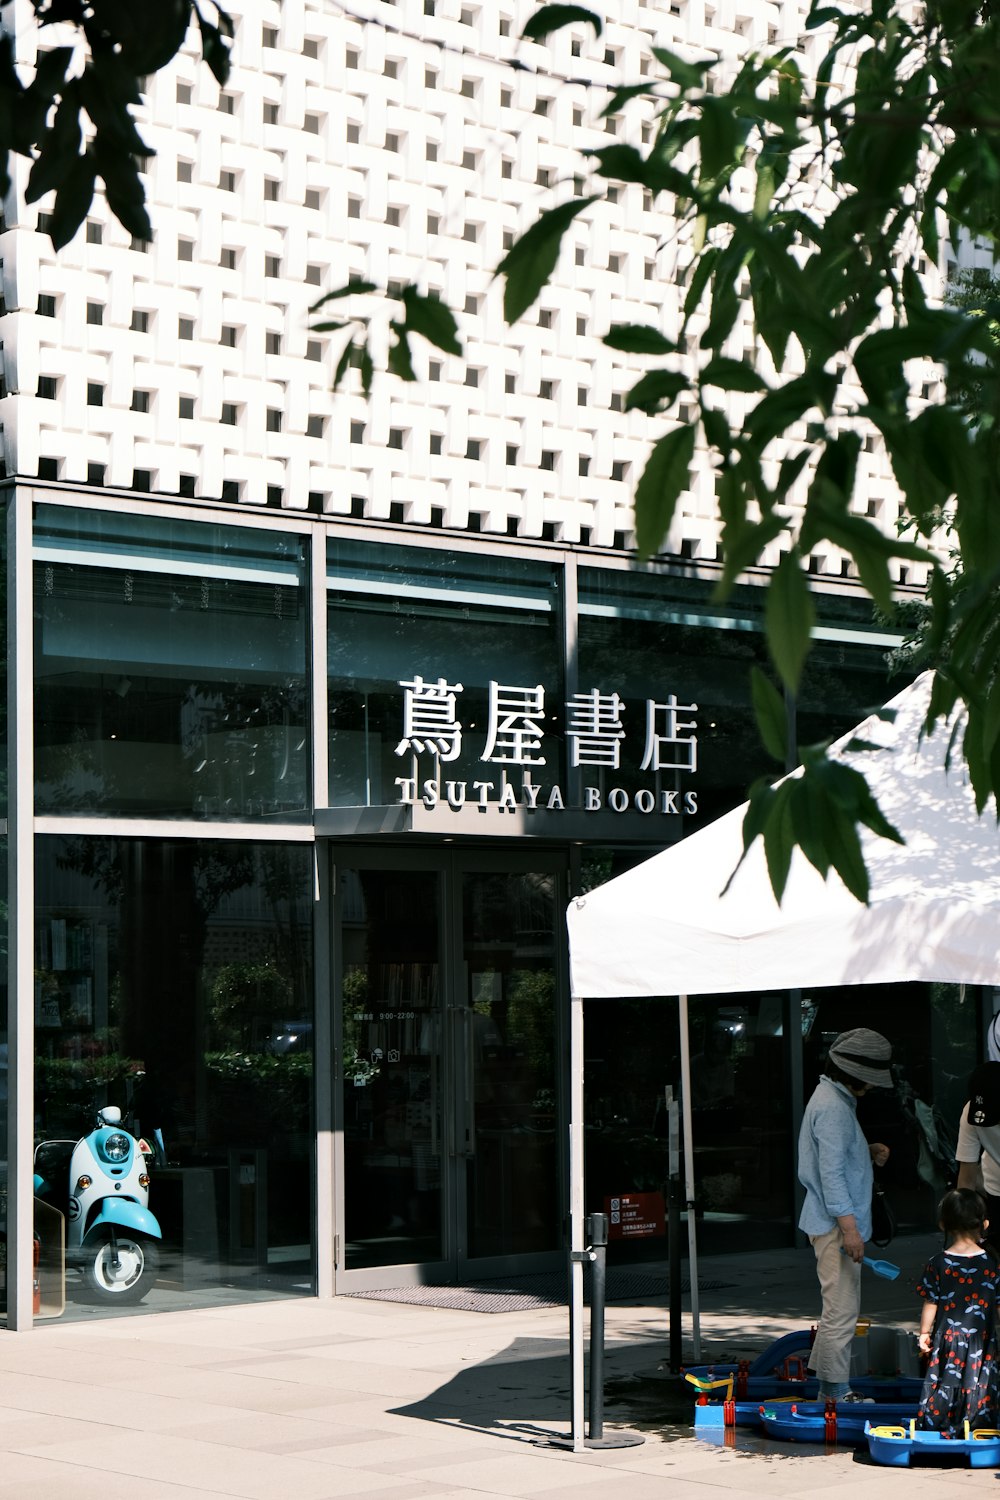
(958, 1324)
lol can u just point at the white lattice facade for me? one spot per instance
(400, 147)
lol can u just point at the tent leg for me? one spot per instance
(576, 1219)
(689, 1176)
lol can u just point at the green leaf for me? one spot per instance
(530, 262)
(656, 391)
(731, 375)
(759, 805)
(148, 32)
(623, 163)
(215, 45)
(789, 615)
(427, 315)
(704, 268)
(720, 137)
(783, 406)
(718, 433)
(810, 816)
(771, 715)
(663, 479)
(991, 717)
(343, 363)
(400, 357)
(127, 199)
(686, 75)
(355, 287)
(60, 148)
(554, 17)
(779, 839)
(764, 189)
(844, 847)
(623, 96)
(638, 338)
(73, 199)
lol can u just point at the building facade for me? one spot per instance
(320, 706)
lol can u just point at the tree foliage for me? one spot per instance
(828, 195)
(74, 119)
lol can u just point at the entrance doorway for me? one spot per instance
(447, 976)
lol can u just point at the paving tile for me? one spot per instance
(514, 1475)
(24, 1478)
(383, 1379)
(213, 1469)
(24, 1396)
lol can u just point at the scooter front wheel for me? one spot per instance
(121, 1270)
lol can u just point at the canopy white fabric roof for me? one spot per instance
(664, 928)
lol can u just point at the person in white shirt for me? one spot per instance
(978, 1149)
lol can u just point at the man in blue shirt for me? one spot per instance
(835, 1168)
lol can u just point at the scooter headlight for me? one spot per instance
(117, 1147)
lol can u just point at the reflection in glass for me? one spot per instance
(170, 669)
(174, 981)
(392, 1067)
(509, 1136)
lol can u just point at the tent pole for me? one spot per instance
(576, 1220)
(689, 1176)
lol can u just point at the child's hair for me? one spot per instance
(962, 1212)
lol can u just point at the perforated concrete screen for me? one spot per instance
(393, 142)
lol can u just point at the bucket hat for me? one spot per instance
(864, 1055)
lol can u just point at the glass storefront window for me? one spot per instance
(639, 640)
(170, 669)
(173, 981)
(399, 614)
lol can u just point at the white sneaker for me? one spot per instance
(856, 1398)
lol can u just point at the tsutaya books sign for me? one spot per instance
(594, 729)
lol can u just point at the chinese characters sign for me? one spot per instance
(594, 726)
(636, 1216)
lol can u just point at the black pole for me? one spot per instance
(674, 1225)
(674, 1232)
(597, 1234)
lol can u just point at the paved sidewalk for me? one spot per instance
(307, 1400)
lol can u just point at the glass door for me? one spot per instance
(506, 1011)
(446, 980)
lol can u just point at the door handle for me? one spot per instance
(468, 1072)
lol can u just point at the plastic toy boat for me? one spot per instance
(898, 1444)
(832, 1422)
(730, 1395)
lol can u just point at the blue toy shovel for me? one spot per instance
(884, 1268)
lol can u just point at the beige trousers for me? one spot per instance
(840, 1287)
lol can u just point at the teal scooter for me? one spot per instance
(101, 1183)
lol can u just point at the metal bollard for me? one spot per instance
(597, 1239)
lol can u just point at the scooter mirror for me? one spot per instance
(110, 1115)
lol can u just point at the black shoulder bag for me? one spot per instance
(883, 1218)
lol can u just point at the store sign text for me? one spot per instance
(515, 733)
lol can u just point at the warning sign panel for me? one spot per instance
(635, 1216)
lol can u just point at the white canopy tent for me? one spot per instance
(664, 928)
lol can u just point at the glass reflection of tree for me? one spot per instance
(166, 896)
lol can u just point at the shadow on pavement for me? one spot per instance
(524, 1392)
